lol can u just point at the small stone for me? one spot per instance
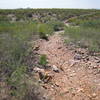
(36, 69)
(94, 95)
(73, 71)
(77, 57)
(80, 90)
(55, 69)
(74, 74)
(52, 86)
(36, 48)
(95, 67)
(59, 47)
(49, 65)
(73, 62)
(39, 81)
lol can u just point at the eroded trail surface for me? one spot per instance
(76, 79)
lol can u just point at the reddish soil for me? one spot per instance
(76, 80)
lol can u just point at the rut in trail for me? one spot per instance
(74, 81)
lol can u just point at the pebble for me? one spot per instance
(94, 95)
(73, 74)
(36, 69)
(77, 57)
(55, 69)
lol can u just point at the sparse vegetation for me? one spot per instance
(84, 37)
(57, 25)
(45, 30)
(87, 33)
(43, 60)
(19, 27)
(14, 47)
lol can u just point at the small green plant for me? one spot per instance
(17, 82)
(45, 30)
(43, 60)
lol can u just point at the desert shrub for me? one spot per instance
(21, 85)
(84, 37)
(43, 60)
(14, 48)
(44, 30)
(12, 52)
(92, 24)
(87, 33)
(17, 82)
(4, 18)
(14, 39)
(57, 25)
(85, 20)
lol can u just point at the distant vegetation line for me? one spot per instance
(42, 14)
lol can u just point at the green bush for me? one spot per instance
(57, 25)
(44, 30)
(14, 45)
(92, 20)
(18, 83)
(14, 39)
(88, 32)
(43, 60)
(4, 18)
(84, 37)
(92, 24)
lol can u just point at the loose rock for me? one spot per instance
(55, 69)
(36, 69)
(77, 57)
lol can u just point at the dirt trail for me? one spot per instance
(74, 81)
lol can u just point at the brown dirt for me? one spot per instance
(76, 81)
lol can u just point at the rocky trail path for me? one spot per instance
(76, 79)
